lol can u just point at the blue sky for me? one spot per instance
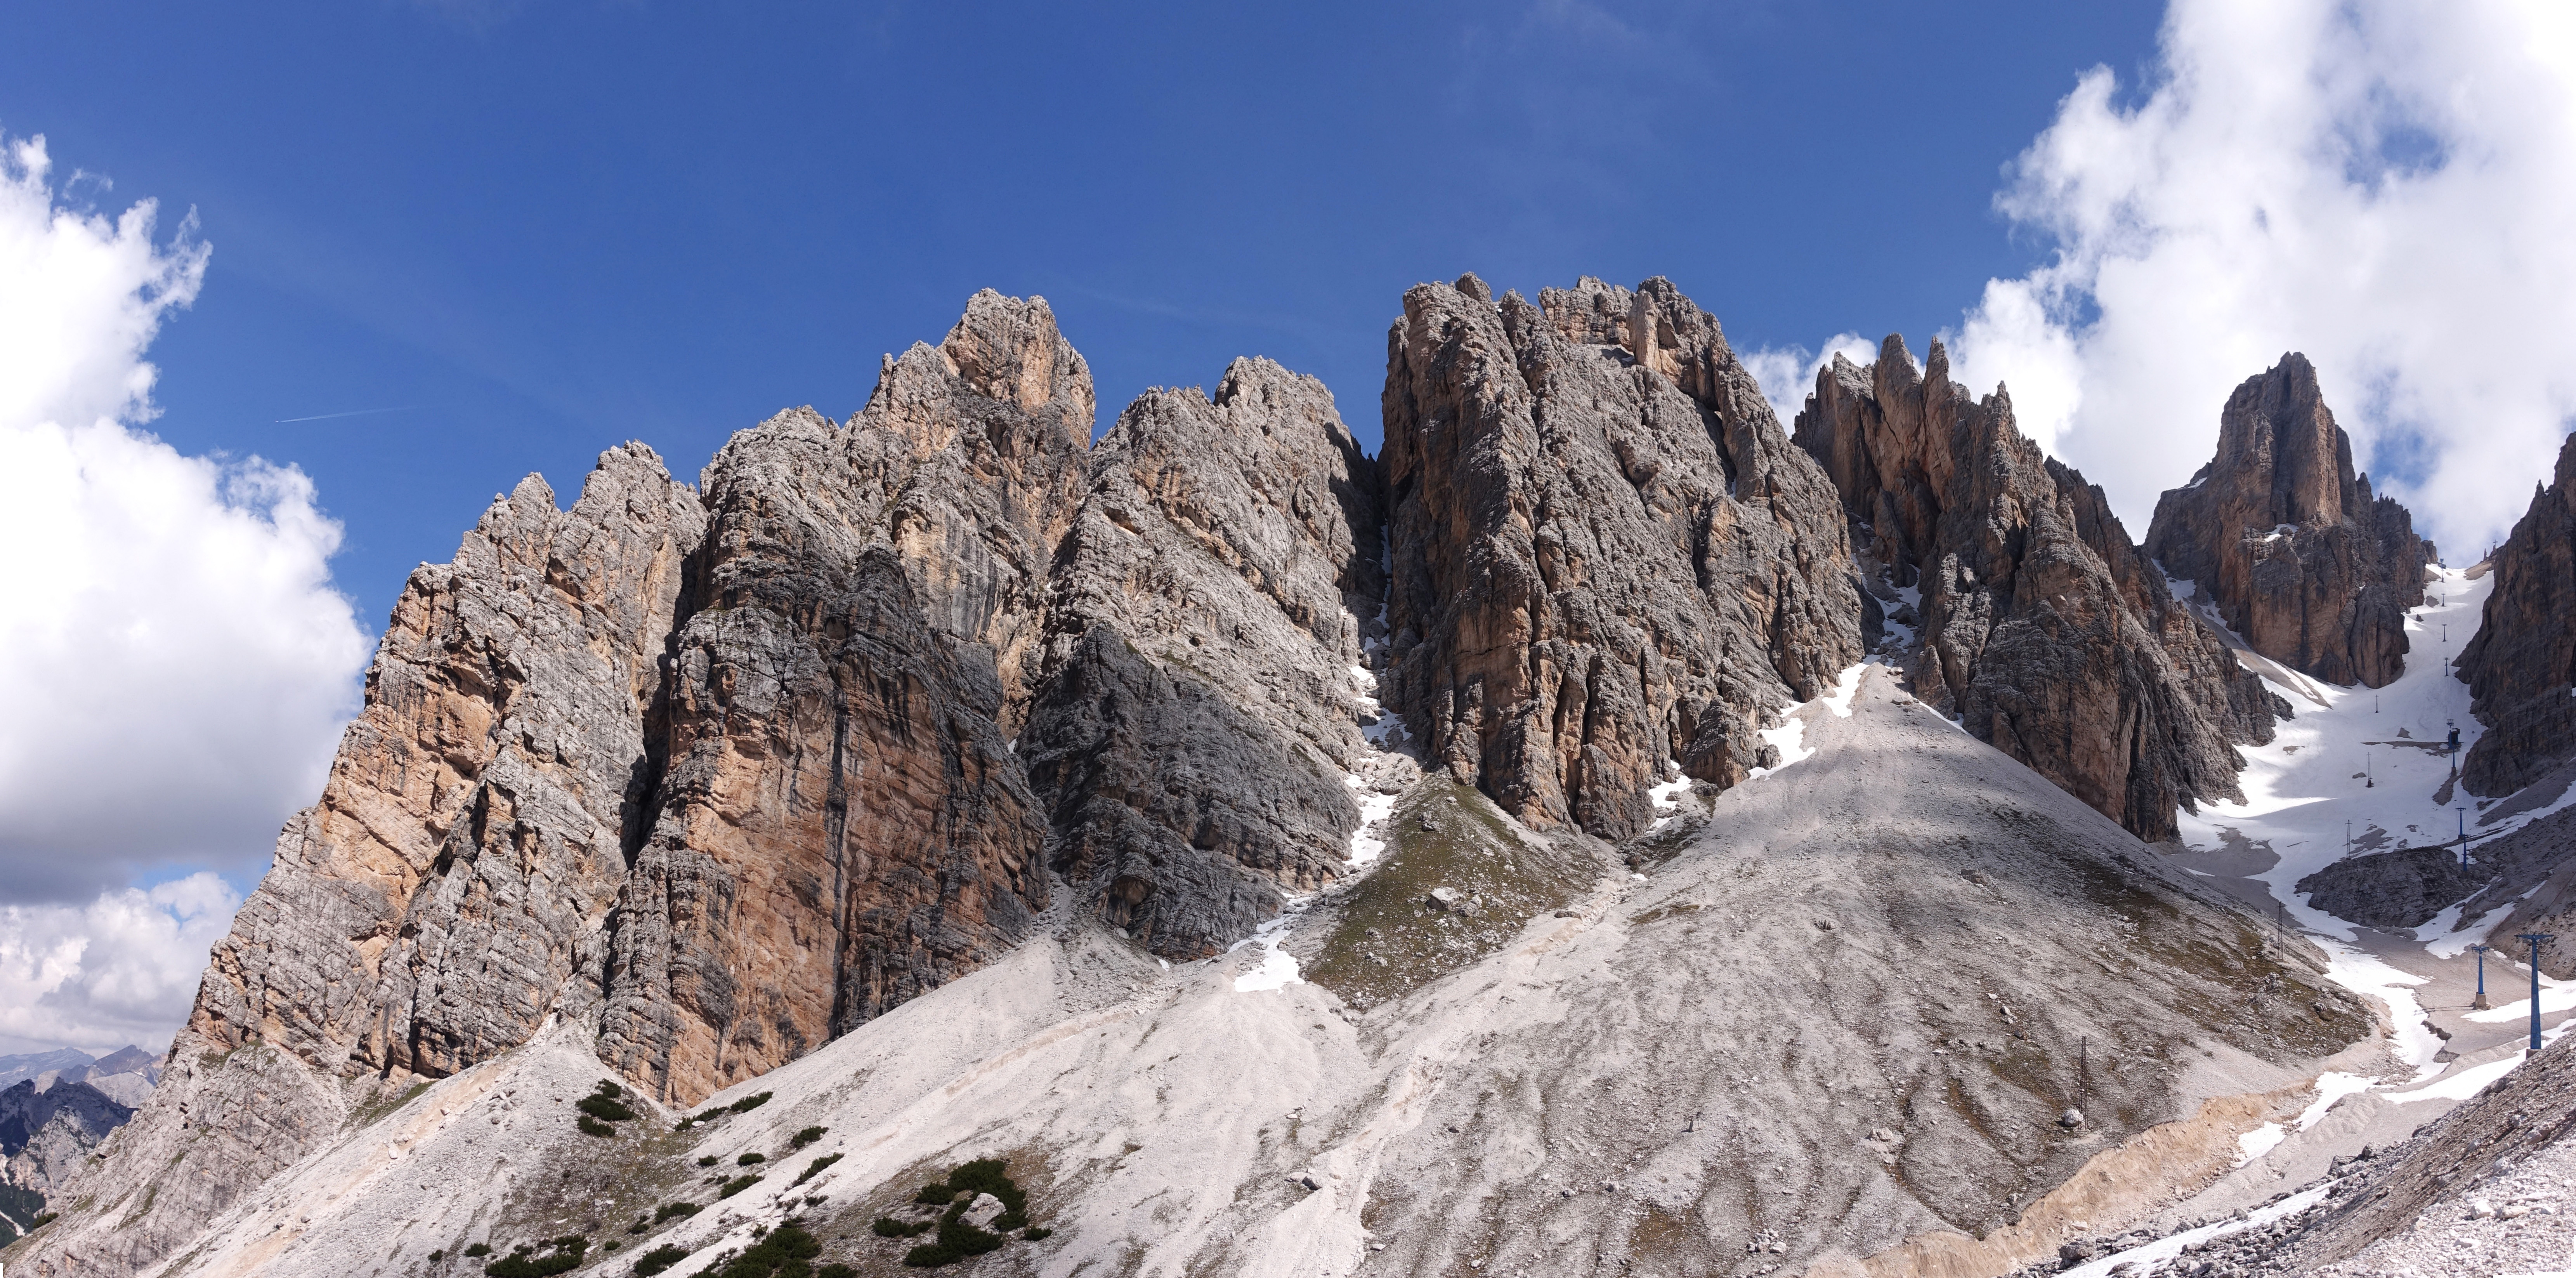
(540, 229)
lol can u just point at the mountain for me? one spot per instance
(46, 1136)
(2042, 628)
(1602, 824)
(2522, 662)
(2297, 554)
(18, 1069)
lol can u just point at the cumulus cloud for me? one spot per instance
(174, 662)
(122, 969)
(1788, 373)
(2383, 185)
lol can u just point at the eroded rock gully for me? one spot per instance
(2522, 663)
(2301, 559)
(2041, 625)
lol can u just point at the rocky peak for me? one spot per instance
(1208, 638)
(1602, 578)
(447, 892)
(2522, 662)
(2039, 624)
(2290, 544)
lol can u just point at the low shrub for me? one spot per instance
(737, 1185)
(609, 1087)
(605, 1108)
(593, 1127)
(837, 1270)
(659, 1259)
(935, 1194)
(668, 1210)
(563, 1255)
(1033, 1233)
(749, 1103)
(813, 1167)
(708, 1161)
(749, 1159)
(438, 1255)
(784, 1250)
(43, 1218)
(479, 1250)
(806, 1136)
(957, 1241)
(889, 1227)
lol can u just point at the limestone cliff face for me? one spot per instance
(1607, 558)
(451, 888)
(842, 826)
(1208, 650)
(2522, 663)
(2303, 561)
(2042, 627)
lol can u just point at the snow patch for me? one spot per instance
(2147, 1256)
(2260, 1141)
(2332, 1086)
(1278, 969)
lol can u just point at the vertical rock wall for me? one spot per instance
(1207, 649)
(448, 891)
(2042, 628)
(2521, 667)
(2307, 565)
(1608, 560)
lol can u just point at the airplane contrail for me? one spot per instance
(363, 412)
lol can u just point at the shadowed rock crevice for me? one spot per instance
(2042, 627)
(2298, 555)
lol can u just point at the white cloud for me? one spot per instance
(174, 662)
(2384, 185)
(122, 969)
(1788, 373)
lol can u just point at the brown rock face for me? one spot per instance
(447, 892)
(1606, 554)
(2522, 663)
(1207, 643)
(2040, 624)
(2303, 561)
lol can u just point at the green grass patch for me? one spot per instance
(1388, 943)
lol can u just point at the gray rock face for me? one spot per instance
(2393, 890)
(449, 890)
(2042, 627)
(43, 1133)
(2521, 667)
(1207, 658)
(1606, 555)
(2303, 561)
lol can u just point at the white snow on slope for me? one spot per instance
(1790, 736)
(2330, 765)
(2149, 1255)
